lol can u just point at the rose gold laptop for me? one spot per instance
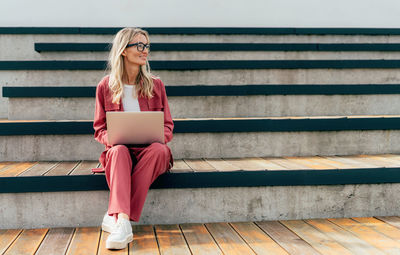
(135, 127)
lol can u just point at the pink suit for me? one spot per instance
(131, 170)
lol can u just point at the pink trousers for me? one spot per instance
(130, 172)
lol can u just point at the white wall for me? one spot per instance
(209, 13)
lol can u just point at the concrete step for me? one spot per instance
(205, 30)
(210, 77)
(218, 51)
(30, 103)
(195, 65)
(24, 42)
(221, 55)
(213, 138)
(347, 192)
(205, 77)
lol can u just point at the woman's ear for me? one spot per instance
(124, 53)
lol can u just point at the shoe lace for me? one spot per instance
(117, 226)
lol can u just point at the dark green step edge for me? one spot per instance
(217, 90)
(205, 64)
(205, 30)
(215, 126)
(46, 47)
(208, 180)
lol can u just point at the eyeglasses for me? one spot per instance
(140, 46)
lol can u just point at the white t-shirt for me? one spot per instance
(130, 103)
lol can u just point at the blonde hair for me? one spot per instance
(117, 69)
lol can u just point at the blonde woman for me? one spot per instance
(130, 169)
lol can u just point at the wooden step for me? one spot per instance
(263, 237)
(65, 168)
(242, 189)
(197, 173)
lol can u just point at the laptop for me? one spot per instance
(135, 127)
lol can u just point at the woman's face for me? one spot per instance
(132, 55)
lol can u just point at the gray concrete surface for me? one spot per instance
(211, 145)
(173, 206)
(212, 77)
(217, 106)
(21, 47)
(216, 55)
(256, 55)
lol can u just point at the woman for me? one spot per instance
(130, 169)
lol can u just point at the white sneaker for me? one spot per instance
(121, 235)
(108, 223)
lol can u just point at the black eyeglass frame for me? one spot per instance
(139, 44)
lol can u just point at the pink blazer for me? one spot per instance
(104, 104)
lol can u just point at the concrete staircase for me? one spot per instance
(306, 93)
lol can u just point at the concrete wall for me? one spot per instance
(210, 145)
(172, 206)
(210, 13)
(217, 106)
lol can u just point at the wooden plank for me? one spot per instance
(395, 161)
(334, 163)
(104, 251)
(144, 241)
(84, 168)
(387, 245)
(27, 242)
(370, 160)
(378, 161)
(6, 167)
(180, 166)
(260, 242)
(247, 164)
(171, 240)
(7, 237)
(268, 165)
(199, 165)
(381, 227)
(39, 169)
(4, 164)
(15, 169)
(359, 161)
(221, 165)
(227, 239)
(286, 238)
(392, 220)
(56, 241)
(315, 238)
(199, 239)
(63, 168)
(349, 162)
(287, 164)
(305, 161)
(343, 237)
(85, 241)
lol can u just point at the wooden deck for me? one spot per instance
(9, 169)
(379, 235)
